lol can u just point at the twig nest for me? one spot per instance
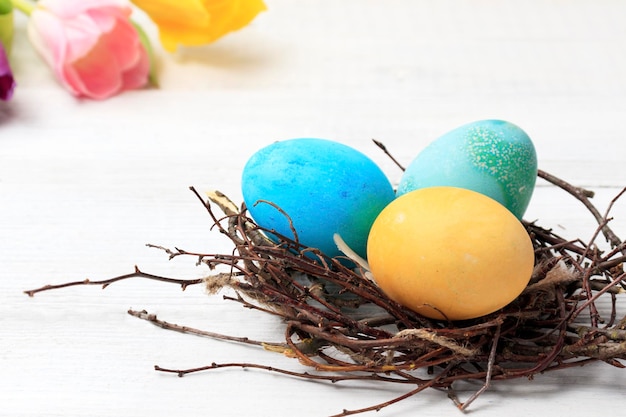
(450, 253)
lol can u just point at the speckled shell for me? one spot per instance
(493, 157)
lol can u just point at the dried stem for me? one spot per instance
(583, 196)
(490, 363)
(386, 151)
(152, 318)
(184, 283)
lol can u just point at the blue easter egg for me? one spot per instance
(324, 187)
(492, 157)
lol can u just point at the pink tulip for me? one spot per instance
(7, 84)
(92, 46)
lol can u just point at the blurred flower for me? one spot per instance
(92, 46)
(198, 22)
(7, 83)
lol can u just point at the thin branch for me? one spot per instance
(583, 196)
(386, 151)
(184, 283)
(490, 365)
(431, 383)
(152, 318)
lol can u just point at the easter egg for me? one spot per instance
(315, 187)
(449, 253)
(492, 157)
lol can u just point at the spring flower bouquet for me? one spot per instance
(96, 50)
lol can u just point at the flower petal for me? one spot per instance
(47, 35)
(123, 43)
(7, 83)
(138, 75)
(68, 9)
(231, 15)
(198, 22)
(95, 53)
(180, 22)
(92, 79)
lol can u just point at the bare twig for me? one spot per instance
(583, 196)
(386, 151)
(184, 283)
(152, 318)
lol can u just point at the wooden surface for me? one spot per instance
(85, 185)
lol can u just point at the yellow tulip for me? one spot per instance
(198, 22)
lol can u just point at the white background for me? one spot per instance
(85, 185)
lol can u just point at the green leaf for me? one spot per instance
(6, 6)
(6, 25)
(145, 41)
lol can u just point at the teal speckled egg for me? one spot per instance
(325, 187)
(493, 157)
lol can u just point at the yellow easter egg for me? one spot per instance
(449, 253)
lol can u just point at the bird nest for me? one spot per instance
(341, 326)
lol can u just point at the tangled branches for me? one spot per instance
(342, 326)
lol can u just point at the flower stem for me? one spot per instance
(25, 6)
